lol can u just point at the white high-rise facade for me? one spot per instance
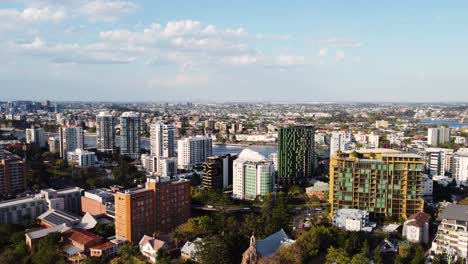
(460, 166)
(105, 132)
(253, 175)
(437, 136)
(341, 141)
(36, 136)
(193, 151)
(71, 137)
(130, 138)
(439, 161)
(162, 140)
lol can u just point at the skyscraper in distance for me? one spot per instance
(105, 132)
(71, 137)
(130, 139)
(296, 154)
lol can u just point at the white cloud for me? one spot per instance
(240, 60)
(290, 60)
(272, 37)
(14, 19)
(323, 52)
(341, 43)
(339, 55)
(107, 11)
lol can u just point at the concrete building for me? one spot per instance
(452, 233)
(296, 154)
(130, 134)
(12, 173)
(26, 210)
(218, 172)
(341, 141)
(460, 140)
(162, 140)
(82, 158)
(439, 161)
(253, 175)
(416, 228)
(437, 136)
(159, 166)
(381, 124)
(460, 167)
(193, 151)
(71, 137)
(383, 182)
(98, 202)
(352, 220)
(428, 186)
(36, 136)
(160, 206)
(105, 132)
(54, 144)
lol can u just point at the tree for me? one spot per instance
(128, 255)
(312, 242)
(360, 258)
(288, 255)
(337, 255)
(48, 250)
(365, 248)
(418, 256)
(440, 259)
(162, 257)
(378, 256)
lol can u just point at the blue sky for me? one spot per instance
(284, 51)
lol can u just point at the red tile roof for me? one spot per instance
(418, 219)
(81, 236)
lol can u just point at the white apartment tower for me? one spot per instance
(460, 166)
(253, 175)
(130, 139)
(193, 151)
(36, 136)
(105, 132)
(437, 136)
(439, 161)
(341, 141)
(71, 137)
(162, 140)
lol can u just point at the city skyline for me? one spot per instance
(326, 51)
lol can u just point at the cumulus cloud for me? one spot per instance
(339, 55)
(107, 11)
(14, 19)
(272, 37)
(341, 43)
(323, 52)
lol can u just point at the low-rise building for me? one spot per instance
(149, 247)
(190, 249)
(318, 190)
(452, 233)
(82, 158)
(260, 250)
(98, 202)
(352, 220)
(416, 228)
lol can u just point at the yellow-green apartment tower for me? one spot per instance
(384, 182)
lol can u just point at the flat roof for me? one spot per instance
(455, 212)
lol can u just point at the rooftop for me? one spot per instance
(250, 155)
(455, 212)
(55, 217)
(271, 244)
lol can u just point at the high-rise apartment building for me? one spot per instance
(71, 137)
(460, 166)
(36, 136)
(12, 173)
(218, 172)
(384, 182)
(437, 136)
(341, 141)
(105, 132)
(162, 140)
(193, 151)
(296, 154)
(159, 207)
(130, 130)
(439, 161)
(253, 175)
(54, 144)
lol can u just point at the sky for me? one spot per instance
(215, 51)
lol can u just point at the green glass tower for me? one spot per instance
(296, 154)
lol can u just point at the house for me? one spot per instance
(149, 247)
(190, 249)
(259, 251)
(416, 228)
(318, 190)
(109, 248)
(82, 239)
